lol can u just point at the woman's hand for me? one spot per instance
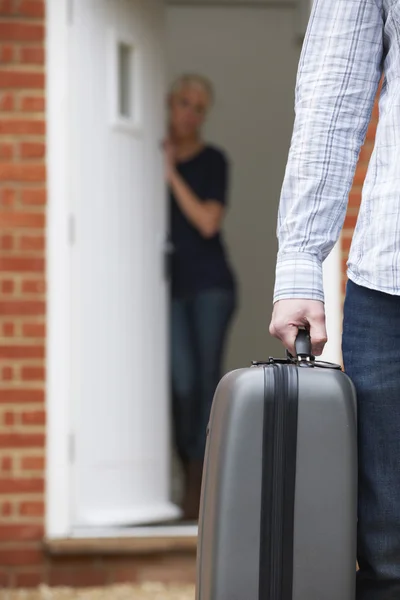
(169, 159)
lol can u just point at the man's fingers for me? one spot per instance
(318, 334)
(289, 315)
(286, 334)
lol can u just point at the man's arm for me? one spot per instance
(339, 72)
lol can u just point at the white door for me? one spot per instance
(120, 429)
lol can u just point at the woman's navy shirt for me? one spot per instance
(200, 263)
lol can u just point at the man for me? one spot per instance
(348, 46)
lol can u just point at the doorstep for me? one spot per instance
(128, 540)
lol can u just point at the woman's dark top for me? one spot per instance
(200, 263)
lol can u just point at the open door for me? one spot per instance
(120, 430)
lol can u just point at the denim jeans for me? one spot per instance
(371, 352)
(199, 326)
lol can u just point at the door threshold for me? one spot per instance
(150, 531)
(126, 540)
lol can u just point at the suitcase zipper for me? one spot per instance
(278, 484)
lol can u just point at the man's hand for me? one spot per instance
(289, 315)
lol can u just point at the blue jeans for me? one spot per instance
(371, 352)
(199, 326)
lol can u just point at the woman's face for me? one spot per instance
(188, 108)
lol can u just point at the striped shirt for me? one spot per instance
(348, 46)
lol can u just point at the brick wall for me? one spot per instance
(22, 286)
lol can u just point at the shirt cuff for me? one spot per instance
(298, 275)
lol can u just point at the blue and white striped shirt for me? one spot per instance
(348, 46)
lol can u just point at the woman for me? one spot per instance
(203, 286)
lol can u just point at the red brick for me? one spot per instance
(12, 533)
(21, 486)
(33, 463)
(22, 127)
(32, 150)
(22, 219)
(33, 286)
(31, 8)
(371, 132)
(6, 464)
(19, 79)
(25, 307)
(7, 197)
(375, 112)
(7, 286)
(21, 397)
(126, 574)
(366, 152)
(13, 264)
(6, 509)
(6, 242)
(5, 578)
(28, 579)
(6, 7)
(30, 242)
(84, 577)
(9, 418)
(17, 352)
(21, 440)
(6, 152)
(33, 374)
(350, 222)
(35, 330)
(15, 557)
(360, 175)
(355, 199)
(346, 242)
(7, 374)
(33, 197)
(17, 172)
(33, 104)
(8, 329)
(32, 55)
(6, 102)
(21, 32)
(36, 417)
(6, 54)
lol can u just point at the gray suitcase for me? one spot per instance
(279, 496)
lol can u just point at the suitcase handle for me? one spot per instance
(303, 345)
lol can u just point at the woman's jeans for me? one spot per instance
(199, 328)
(371, 352)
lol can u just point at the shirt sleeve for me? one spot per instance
(339, 72)
(217, 187)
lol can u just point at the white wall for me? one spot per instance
(251, 54)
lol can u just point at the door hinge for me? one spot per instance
(71, 229)
(71, 447)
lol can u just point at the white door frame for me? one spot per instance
(58, 521)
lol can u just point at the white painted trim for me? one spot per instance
(332, 273)
(157, 531)
(150, 513)
(58, 497)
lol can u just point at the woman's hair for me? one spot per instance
(193, 80)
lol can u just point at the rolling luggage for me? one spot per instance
(279, 496)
